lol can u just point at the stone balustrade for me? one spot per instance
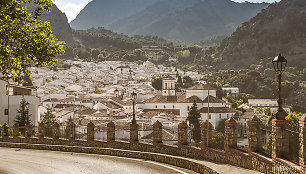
(230, 154)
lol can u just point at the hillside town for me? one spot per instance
(102, 92)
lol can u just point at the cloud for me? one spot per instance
(71, 9)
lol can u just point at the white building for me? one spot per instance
(179, 105)
(10, 98)
(232, 91)
(271, 103)
(123, 70)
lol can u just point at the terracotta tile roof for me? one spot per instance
(191, 100)
(169, 78)
(51, 100)
(201, 86)
(153, 113)
(168, 111)
(58, 106)
(167, 135)
(217, 110)
(213, 99)
(102, 113)
(173, 99)
(85, 111)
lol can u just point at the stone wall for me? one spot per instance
(174, 155)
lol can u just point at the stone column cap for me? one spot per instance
(157, 124)
(230, 122)
(111, 124)
(254, 121)
(183, 125)
(55, 125)
(90, 124)
(204, 124)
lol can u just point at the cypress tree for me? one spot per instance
(49, 120)
(23, 116)
(193, 118)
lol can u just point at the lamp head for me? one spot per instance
(279, 63)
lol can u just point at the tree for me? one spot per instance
(27, 81)
(217, 140)
(157, 83)
(293, 119)
(187, 81)
(24, 40)
(193, 118)
(221, 126)
(23, 116)
(179, 81)
(49, 120)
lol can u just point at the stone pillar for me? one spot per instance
(255, 137)
(302, 140)
(133, 133)
(280, 139)
(157, 133)
(71, 132)
(206, 134)
(16, 130)
(41, 130)
(28, 131)
(182, 134)
(111, 136)
(90, 131)
(230, 134)
(55, 131)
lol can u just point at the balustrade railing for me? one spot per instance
(152, 136)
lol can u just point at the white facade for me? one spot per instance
(169, 87)
(10, 104)
(201, 93)
(233, 91)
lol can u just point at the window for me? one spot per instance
(173, 106)
(245, 131)
(227, 115)
(5, 111)
(219, 115)
(188, 108)
(209, 117)
(164, 106)
(244, 124)
(155, 106)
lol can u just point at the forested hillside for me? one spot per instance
(175, 20)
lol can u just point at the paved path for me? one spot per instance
(24, 161)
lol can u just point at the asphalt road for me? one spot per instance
(24, 161)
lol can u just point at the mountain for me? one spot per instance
(187, 20)
(281, 28)
(100, 13)
(58, 21)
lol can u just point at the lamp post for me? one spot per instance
(134, 96)
(279, 64)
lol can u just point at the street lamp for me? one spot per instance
(279, 64)
(134, 96)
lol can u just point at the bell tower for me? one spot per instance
(169, 86)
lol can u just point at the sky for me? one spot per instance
(72, 7)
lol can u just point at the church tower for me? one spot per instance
(169, 86)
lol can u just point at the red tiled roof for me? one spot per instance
(201, 86)
(213, 99)
(217, 110)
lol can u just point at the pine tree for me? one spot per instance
(49, 120)
(193, 118)
(23, 116)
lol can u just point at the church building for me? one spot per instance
(170, 101)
